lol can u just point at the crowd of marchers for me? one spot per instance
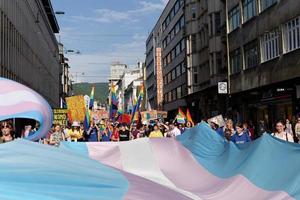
(106, 131)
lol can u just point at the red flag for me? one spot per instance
(125, 118)
(189, 117)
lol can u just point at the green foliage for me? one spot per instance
(101, 90)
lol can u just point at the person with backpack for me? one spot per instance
(280, 132)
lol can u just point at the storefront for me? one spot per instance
(268, 104)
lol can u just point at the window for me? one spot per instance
(179, 92)
(219, 62)
(169, 97)
(178, 70)
(235, 61)
(195, 73)
(182, 45)
(174, 95)
(218, 26)
(194, 43)
(264, 4)
(193, 11)
(292, 35)
(169, 77)
(173, 74)
(183, 68)
(234, 18)
(166, 98)
(251, 55)
(249, 9)
(177, 50)
(182, 22)
(177, 6)
(270, 45)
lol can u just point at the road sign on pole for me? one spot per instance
(222, 88)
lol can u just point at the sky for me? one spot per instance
(105, 31)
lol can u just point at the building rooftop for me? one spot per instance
(51, 15)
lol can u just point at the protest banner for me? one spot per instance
(60, 116)
(98, 115)
(153, 114)
(76, 108)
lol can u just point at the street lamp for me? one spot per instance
(73, 51)
(59, 12)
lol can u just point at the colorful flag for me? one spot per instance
(87, 119)
(92, 98)
(114, 102)
(137, 106)
(181, 118)
(124, 118)
(189, 117)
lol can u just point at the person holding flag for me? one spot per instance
(180, 118)
(190, 122)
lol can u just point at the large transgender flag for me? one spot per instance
(197, 165)
(19, 101)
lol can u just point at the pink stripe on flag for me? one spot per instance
(179, 166)
(9, 86)
(107, 153)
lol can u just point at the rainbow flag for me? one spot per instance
(92, 99)
(181, 118)
(189, 117)
(113, 102)
(137, 106)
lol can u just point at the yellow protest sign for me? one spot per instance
(76, 108)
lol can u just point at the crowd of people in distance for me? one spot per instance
(243, 133)
(106, 131)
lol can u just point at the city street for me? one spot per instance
(149, 100)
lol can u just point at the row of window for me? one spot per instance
(270, 46)
(172, 13)
(178, 26)
(180, 47)
(250, 8)
(176, 72)
(175, 94)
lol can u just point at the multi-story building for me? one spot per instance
(117, 70)
(206, 58)
(264, 58)
(28, 47)
(130, 75)
(65, 76)
(153, 65)
(173, 47)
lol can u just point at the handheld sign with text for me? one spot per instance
(60, 116)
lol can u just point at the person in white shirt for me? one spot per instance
(174, 131)
(297, 129)
(289, 128)
(281, 134)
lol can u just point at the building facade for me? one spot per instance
(28, 47)
(264, 59)
(65, 76)
(117, 70)
(153, 65)
(165, 60)
(173, 57)
(206, 57)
